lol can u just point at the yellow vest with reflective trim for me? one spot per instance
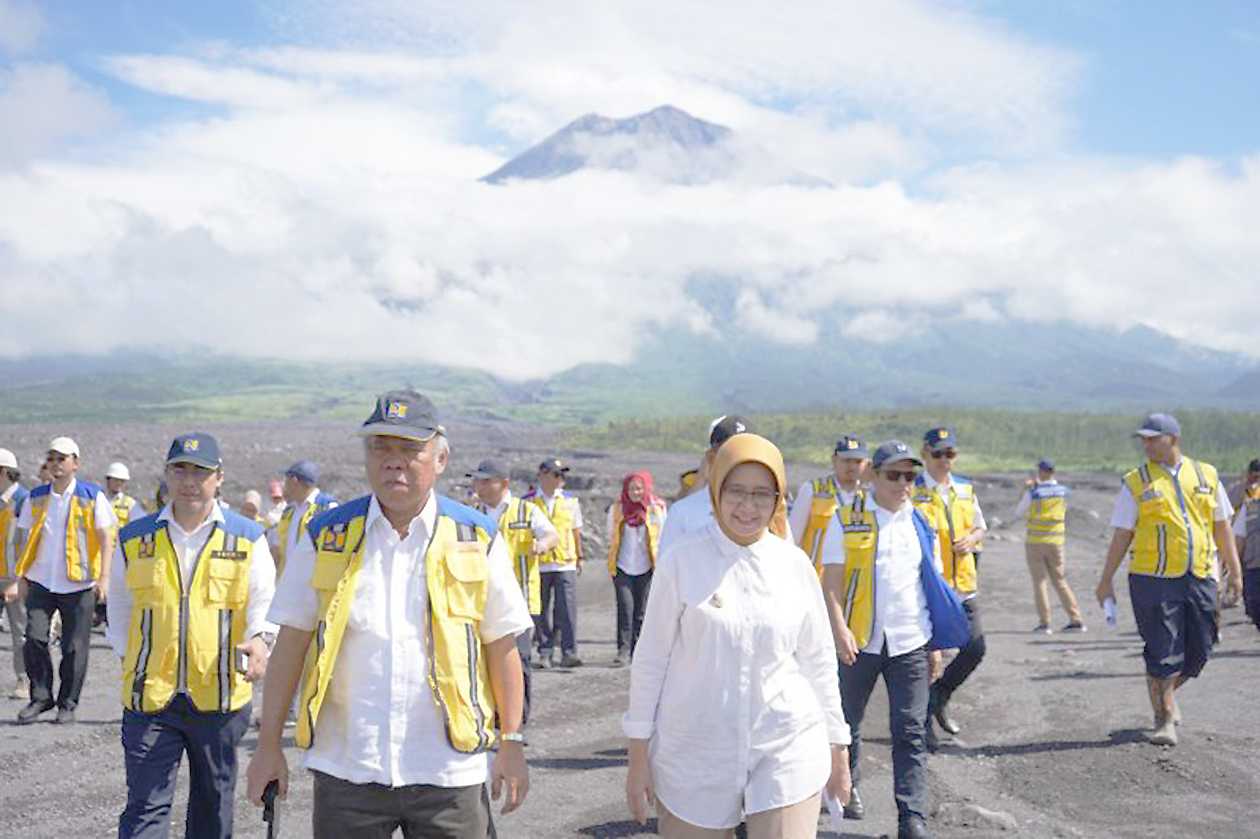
(124, 505)
(457, 579)
(8, 522)
(654, 522)
(1174, 532)
(82, 546)
(861, 537)
(951, 521)
(822, 509)
(1047, 514)
(321, 503)
(561, 518)
(185, 641)
(518, 536)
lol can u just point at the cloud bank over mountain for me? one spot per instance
(320, 198)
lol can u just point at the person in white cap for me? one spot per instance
(251, 505)
(12, 498)
(64, 569)
(116, 478)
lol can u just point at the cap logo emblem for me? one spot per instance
(852, 444)
(740, 428)
(396, 410)
(941, 434)
(192, 445)
(900, 447)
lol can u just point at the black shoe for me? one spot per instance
(938, 702)
(913, 827)
(33, 710)
(570, 661)
(65, 716)
(855, 809)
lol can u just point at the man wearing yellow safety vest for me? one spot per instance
(63, 568)
(398, 612)
(1044, 502)
(950, 504)
(528, 535)
(116, 477)
(818, 500)
(1172, 515)
(191, 587)
(559, 568)
(891, 613)
(305, 502)
(12, 498)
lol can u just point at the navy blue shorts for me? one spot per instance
(1177, 621)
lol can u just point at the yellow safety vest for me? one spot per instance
(321, 503)
(654, 522)
(518, 536)
(123, 506)
(822, 509)
(8, 523)
(457, 578)
(1047, 514)
(82, 547)
(951, 521)
(1174, 532)
(184, 641)
(861, 537)
(561, 518)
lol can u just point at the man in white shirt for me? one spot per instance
(63, 569)
(12, 498)
(559, 568)
(816, 501)
(1044, 502)
(191, 585)
(305, 501)
(406, 605)
(872, 563)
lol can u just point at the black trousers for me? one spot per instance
(345, 810)
(632, 594)
(906, 679)
(969, 657)
(76, 611)
(154, 745)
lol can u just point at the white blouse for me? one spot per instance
(734, 679)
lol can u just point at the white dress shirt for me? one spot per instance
(539, 524)
(901, 614)
(49, 567)
(632, 551)
(379, 722)
(734, 679)
(688, 515)
(575, 511)
(942, 489)
(1124, 514)
(188, 547)
(798, 519)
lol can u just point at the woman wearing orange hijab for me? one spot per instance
(634, 533)
(735, 710)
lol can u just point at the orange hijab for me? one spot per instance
(749, 448)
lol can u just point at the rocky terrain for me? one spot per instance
(1052, 743)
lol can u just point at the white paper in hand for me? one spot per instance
(837, 812)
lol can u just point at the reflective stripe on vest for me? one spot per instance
(1047, 514)
(561, 518)
(822, 509)
(1174, 532)
(82, 545)
(457, 579)
(654, 525)
(861, 538)
(517, 532)
(321, 504)
(956, 517)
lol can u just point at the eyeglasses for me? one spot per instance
(949, 453)
(895, 475)
(760, 498)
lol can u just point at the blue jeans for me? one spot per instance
(154, 745)
(558, 617)
(906, 679)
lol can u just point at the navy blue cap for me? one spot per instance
(488, 469)
(851, 448)
(1156, 425)
(940, 438)
(306, 471)
(553, 465)
(403, 413)
(1045, 464)
(198, 448)
(724, 428)
(894, 451)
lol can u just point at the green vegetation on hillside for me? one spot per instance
(992, 440)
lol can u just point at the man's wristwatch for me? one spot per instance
(512, 737)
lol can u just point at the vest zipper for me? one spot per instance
(181, 683)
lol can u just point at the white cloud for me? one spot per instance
(21, 26)
(42, 105)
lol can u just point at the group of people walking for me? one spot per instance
(398, 630)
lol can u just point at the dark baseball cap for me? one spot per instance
(197, 448)
(403, 413)
(725, 427)
(306, 471)
(1254, 465)
(940, 438)
(849, 447)
(1045, 464)
(554, 465)
(1156, 425)
(894, 451)
(491, 469)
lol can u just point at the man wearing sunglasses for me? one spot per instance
(817, 500)
(873, 564)
(950, 504)
(63, 569)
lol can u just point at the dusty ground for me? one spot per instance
(1052, 736)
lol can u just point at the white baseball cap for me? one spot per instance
(8, 459)
(119, 471)
(64, 445)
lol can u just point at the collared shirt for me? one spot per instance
(942, 489)
(379, 722)
(1025, 500)
(300, 509)
(1124, 513)
(538, 521)
(575, 511)
(688, 515)
(632, 551)
(734, 679)
(188, 546)
(901, 614)
(798, 519)
(49, 568)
